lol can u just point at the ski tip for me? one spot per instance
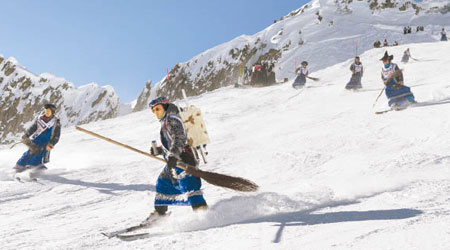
(108, 235)
(382, 112)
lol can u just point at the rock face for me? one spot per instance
(326, 27)
(143, 99)
(23, 95)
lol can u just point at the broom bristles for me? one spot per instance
(226, 181)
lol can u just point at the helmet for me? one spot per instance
(160, 100)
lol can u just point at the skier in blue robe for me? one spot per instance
(40, 138)
(443, 35)
(174, 186)
(357, 73)
(302, 73)
(399, 95)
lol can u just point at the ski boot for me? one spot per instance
(201, 207)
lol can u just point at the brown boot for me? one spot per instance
(202, 207)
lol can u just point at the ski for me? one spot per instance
(383, 111)
(415, 105)
(145, 224)
(142, 225)
(132, 236)
(23, 181)
(391, 109)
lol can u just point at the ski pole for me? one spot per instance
(313, 78)
(376, 100)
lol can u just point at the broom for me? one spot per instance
(221, 180)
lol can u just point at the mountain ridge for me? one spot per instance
(320, 27)
(24, 93)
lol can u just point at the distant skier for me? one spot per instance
(174, 186)
(357, 72)
(399, 95)
(302, 73)
(385, 43)
(44, 132)
(377, 44)
(406, 56)
(443, 35)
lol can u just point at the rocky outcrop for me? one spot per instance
(144, 97)
(24, 94)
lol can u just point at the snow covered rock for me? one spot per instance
(23, 94)
(322, 32)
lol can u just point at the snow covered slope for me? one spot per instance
(23, 94)
(333, 175)
(322, 32)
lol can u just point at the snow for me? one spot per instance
(332, 174)
(12, 60)
(318, 49)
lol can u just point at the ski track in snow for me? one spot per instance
(333, 175)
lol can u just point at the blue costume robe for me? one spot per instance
(397, 94)
(300, 80)
(187, 190)
(44, 133)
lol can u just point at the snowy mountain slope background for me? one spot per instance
(23, 94)
(333, 175)
(322, 32)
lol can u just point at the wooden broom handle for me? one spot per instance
(125, 146)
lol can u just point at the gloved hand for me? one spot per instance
(26, 140)
(159, 151)
(171, 164)
(34, 149)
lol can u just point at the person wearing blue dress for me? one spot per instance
(399, 96)
(41, 137)
(302, 73)
(174, 186)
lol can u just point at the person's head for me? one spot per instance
(49, 109)
(159, 106)
(386, 59)
(357, 59)
(304, 64)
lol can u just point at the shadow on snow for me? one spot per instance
(107, 188)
